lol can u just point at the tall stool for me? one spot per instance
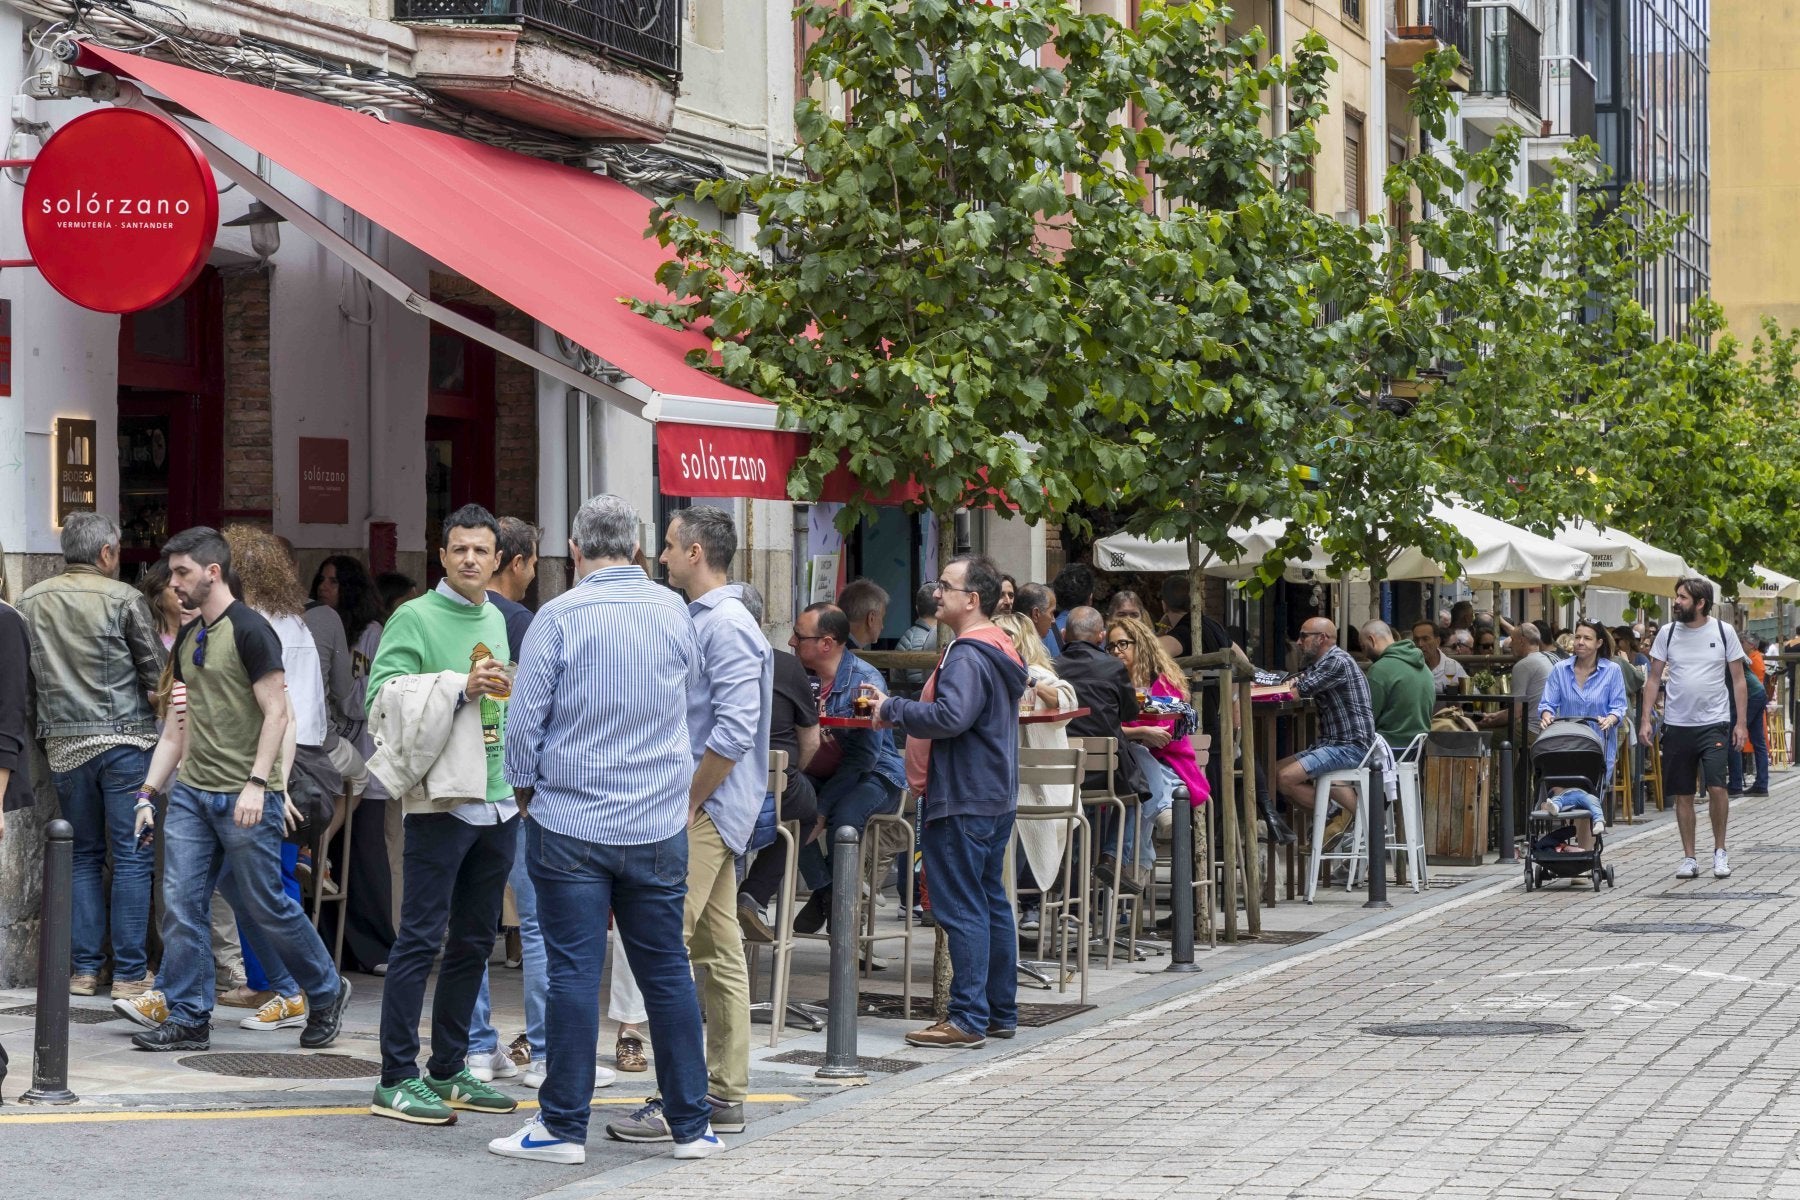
(341, 898)
(1059, 768)
(1409, 841)
(1356, 777)
(1103, 756)
(781, 952)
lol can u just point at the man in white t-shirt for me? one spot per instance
(1700, 662)
(1446, 672)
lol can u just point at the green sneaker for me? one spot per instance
(463, 1090)
(411, 1100)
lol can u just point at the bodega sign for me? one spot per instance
(120, 210)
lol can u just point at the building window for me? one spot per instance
(1353, 165)
(1352, 10)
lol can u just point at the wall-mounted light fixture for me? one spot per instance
(264, 224)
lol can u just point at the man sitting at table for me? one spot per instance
(1332, 680)
(856, 772)
(1446, 672)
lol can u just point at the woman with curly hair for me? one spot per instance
(1157, 677)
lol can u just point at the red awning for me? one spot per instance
(709, 461)
(560, 244)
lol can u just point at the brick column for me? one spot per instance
(249, 484)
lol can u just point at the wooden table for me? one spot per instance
(1237, 808)
(1048, 717)
(1266, 716)
(1515, 733)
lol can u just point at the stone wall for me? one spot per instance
(515, 400)
(249, 485)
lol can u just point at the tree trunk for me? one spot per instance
(1196, 595)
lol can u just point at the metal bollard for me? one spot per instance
(50, 1058)
(1376, 804)
(1181, 889)
(841, 1063)
(1507, 853)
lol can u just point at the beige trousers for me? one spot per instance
(715, 943)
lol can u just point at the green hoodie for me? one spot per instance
(1403, 693)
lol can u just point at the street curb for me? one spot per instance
(1180, 991)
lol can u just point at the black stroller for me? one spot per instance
(1568, 754)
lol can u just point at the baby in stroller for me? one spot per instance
(1570, 800)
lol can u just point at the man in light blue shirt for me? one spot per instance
(597, 749)
(728, 733)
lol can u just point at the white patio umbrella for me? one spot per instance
(1129, 552)
(1624, 562)
(1504, 554)
(1771, 585)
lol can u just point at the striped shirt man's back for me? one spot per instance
(598, 720)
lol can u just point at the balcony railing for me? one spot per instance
(644, 32)
(1568, 91)
(1508, 55)
(1448, 21)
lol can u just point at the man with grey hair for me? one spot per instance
(95, 663)
(598, 754)
(1531, 671)
(865, 602)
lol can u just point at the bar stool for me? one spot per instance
(341, 898)
(1412, 817)
(1103, 756)
(787, 833)
(1058, 768)
(1356, 777)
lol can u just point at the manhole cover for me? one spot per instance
(1670, 927)
(1691, 895)
(1773, 850)
(284, 1066)
(77, 1016)
(887, 1004)
(1469, 1029)
(1280, 937)
(816, 1058)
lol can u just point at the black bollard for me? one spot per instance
(50, 1060)
(841, 1063)
(1181, 888)
(1376, 804)
(1506, 803)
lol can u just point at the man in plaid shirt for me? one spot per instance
(1333, 681)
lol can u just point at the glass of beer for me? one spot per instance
(512, 672)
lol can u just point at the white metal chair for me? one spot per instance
(1356, 777)
(1053, 768)
(1411, 840)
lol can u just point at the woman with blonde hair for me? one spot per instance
(1042, 841)
(1157, 678)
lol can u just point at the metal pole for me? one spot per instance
(1376, 804)
(1506, 803)
(840, 1022)
(1181, 889)
(50, 1061)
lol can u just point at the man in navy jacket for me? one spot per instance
(962, 757)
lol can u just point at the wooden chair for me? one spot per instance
(341, 898)
(1103, 756)
(787, 835)
(1654, 774)
(1059, 768)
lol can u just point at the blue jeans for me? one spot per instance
(1759, 746)
(965, 861)
(1140, 836)
(483, 1037)
(1574, 799)
(263, 969)
(646, 888)
(97, 799)
(844, 800)
(200, 838)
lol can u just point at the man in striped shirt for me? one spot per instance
(597, 752)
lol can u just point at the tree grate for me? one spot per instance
(77, 1014)
(1669, 927)
(1691, 895)
(1470, 1029)
(816, 1058)
(283, 1066)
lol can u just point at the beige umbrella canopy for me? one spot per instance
(1624, 562)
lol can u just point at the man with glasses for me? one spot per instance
(1332, 680)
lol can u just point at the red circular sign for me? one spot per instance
(120, 210)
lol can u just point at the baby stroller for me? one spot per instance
(1568, 754)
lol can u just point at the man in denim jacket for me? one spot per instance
(858, 773)
(95, 662)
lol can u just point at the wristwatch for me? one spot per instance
(260, 782)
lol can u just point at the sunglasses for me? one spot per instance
(200, 645)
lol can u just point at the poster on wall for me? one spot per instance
(822, 578)
(77, 482)
(324, 481)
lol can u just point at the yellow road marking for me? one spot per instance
(239, 1114)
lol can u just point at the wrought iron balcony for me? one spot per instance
(1508, 56)
(1420, 26)
(646, 33)
(1568, 90)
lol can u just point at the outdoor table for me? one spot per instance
(1049, 717)
(1236, 807)
(1267, 714)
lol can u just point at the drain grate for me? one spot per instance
(1470, 1029)
(1279, 937)
(887, 1004)
(1669, 927)
(1773, 850)
(77, 1015)
(816, 1058)
(1690, 895)
(284, 1066)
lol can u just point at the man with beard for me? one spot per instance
(1700, 662)
(1331, 678)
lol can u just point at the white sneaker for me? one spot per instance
(604, 1077)
(1721, 865)
(1689, 869)
(497, 1064)
(1599, 827)
(536, 1142)
(535, 1071)
(704, 1146)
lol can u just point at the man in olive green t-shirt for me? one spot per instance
(228, 808)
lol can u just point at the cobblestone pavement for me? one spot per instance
(1673, 1077)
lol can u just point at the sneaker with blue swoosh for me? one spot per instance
(704, 1146)
(537, 1143)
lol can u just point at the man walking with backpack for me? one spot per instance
(1700, 662)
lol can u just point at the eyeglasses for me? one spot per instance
(813, 637)
(938, 585)
(200, 645)
(1121, 644)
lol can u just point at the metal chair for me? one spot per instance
(1356, 777)
(1411, 817)
(1103, 756)
(1058, 768)
(321, 853)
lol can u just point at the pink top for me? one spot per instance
(1178, 755)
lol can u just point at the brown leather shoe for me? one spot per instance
(244, 996)
(628, 1052)
(945, 1036)
(84, 985)
(131, 989)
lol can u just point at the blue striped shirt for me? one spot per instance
(729, 713)
(598, 720)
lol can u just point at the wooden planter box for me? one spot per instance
(1453, 780)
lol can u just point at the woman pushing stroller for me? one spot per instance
(1591, 686)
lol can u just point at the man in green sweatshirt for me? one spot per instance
(1401, 688)
(457, 860)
